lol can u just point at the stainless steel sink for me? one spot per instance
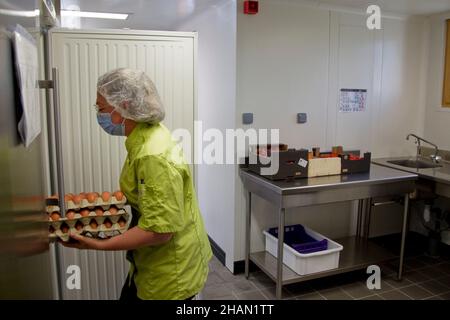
(411, 163)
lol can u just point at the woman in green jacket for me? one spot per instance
(167, 244)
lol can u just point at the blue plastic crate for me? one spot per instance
(296, 237)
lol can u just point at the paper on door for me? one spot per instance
(27, 69)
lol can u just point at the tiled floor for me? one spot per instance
(424, 278)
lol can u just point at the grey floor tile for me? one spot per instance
(387, 269)
(227, 276)
(429, 260)
(359, 289)
(435, 287)
(434, 298)
(262, 281)
(393, 265)
(444, 267)
(311, 296)
(444, 281)
(432, 272)
(299, 288)
(216, 291)
(227, 297)
(416, 292)
(270, 293)
(414, 263)
(215, 264)
(251, 295)
(416, 276)
(373, 297)
(335, 294)
(445, 296)
(214, 279)
(393, 282)
(241, 286)
(394, 295)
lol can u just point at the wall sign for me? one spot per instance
(353, 100)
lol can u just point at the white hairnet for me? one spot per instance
(132, 94)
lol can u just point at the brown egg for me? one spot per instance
(68, 197)
(51, 229)
(99, 211)
(55, 216)
(118, 195)
(84, 212)
(108, 223)
(83, 195)
(91, 197)
(79, 226)
(65, 228)
(122, 222)
(106, 196)
(76, 199)
(113, 210)
(93, 224)
(70, 214)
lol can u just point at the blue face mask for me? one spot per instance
(104, 120)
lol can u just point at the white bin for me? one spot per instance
(307, 263)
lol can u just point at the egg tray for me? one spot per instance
(101, 232)
(70, 205)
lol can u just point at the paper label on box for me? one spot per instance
(302, 163)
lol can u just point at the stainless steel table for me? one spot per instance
(359, 252)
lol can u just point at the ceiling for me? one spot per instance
(404, 7)
(170, 14)
(144, 14)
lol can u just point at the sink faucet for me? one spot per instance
(435, 156)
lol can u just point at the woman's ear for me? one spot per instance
(116, 118)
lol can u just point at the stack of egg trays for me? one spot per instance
(101, 231)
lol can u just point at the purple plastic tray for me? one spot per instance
(296, 237)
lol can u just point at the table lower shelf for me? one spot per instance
(357, 254)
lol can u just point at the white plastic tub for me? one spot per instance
(307, 263)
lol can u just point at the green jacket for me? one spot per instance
(158, 185)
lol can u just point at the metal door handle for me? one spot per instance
(54, 84)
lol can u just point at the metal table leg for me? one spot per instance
(359, 218)
(248, 220)
(279, 282)
(368, 217)
(404, 231)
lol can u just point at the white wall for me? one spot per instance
(293, 58)
(437, 120)
(216, 29)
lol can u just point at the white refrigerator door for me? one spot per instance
(92, 159)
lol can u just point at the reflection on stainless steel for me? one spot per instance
(437, 179)
(24, 256)
(416, 163)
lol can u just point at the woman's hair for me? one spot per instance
(132, 94)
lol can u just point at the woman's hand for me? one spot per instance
(81, 242)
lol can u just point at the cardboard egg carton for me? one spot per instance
(92, 212)
(70, 205)
(92, 225)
